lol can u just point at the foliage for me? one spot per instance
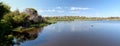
(10, 21)
(4, 9)
(72, 18)
(21, 18)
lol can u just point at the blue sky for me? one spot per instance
(102, 8)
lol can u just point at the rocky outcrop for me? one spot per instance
(34, 17)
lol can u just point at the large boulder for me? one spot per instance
(34, 17)
(31, 11)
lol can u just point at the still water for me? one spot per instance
(78, 33)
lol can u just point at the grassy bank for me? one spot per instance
(33, 26)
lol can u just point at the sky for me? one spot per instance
(92, 8)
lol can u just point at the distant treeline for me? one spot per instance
(70, 18)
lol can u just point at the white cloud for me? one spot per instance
(54, 10)
(78, 8)
(74, 12)
(46, 16)
(50, 10)
(60, 11)
(58, 7)
(40, 10)
(46, 10)
(65, 9)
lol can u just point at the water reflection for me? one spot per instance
(16, 38)
(80, 33)
(74, 33)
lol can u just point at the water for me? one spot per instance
(78, 33)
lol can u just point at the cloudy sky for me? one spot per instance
(69, 7)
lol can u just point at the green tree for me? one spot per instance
(4, 9)
(21, 18)
(15, 20)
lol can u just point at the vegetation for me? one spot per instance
(4, 9)
(12, 23)
(20, 23)
(72, 18)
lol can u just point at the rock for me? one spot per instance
(34, 17)
(31, 11)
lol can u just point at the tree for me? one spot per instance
(15, 20)
(16, 12)
(21, 18)
(3, 9)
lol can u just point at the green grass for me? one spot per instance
(21, 29)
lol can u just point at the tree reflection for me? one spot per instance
(15, 38)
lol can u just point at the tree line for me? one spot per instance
(71, 18)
